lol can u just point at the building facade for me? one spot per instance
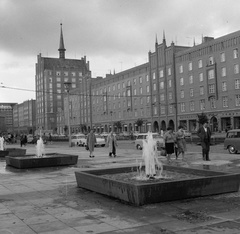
(6, 113)
(51, 74)
(24, 117)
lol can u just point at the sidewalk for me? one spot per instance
(47, 200)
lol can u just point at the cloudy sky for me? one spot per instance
(112, 34)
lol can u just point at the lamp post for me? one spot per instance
(68, 86)
(111, 113)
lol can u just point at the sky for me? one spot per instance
(112, 34)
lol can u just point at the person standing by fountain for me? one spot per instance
(204, 133)
(181, 143)
(169, 139)
(112, 144)
(91, 141)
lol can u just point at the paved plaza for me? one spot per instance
(47, 200)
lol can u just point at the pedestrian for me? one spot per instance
(2, 141)
(169, 139)
(50, 138)
(204, 133)
(181, 142)
(112, 144)
(91, 141)
(22, 140)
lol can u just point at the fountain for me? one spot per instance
(41, 159)
(151, 185)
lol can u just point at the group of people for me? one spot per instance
(175, 143)
(111, 143)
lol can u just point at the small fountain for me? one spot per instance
(131, 185)
(41, 159)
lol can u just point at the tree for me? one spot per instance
(118, 125)
(139, 123)
(202, 118)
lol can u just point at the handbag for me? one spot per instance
(86, 147)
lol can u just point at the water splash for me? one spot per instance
(153, 167)
(40, 149)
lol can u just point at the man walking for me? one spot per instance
(204, 133)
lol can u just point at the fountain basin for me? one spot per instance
(206, 183)
(49, 160)
(16, 151)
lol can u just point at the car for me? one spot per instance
(232, 141)
(142, 136)
(187, 133)
(104, 134)
(100, 141)
(79, 139)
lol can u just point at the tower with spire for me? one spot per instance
(61, 45)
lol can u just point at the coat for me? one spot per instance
(205, 137)
(110, 140)
(91, 141)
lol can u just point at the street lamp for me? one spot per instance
(111, 113)
(68, 86)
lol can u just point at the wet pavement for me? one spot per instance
(47, 200)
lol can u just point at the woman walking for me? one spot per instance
(169, 139)
(112, 143)
(181, 143)
(91, 141)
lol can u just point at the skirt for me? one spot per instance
(169, 147)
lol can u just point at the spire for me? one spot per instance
(164, 40)
(61, 45)
(194, 41)
(156, 40)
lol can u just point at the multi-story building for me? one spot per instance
(208, 82)
(6, 112)
(51, 74)
(24, 117)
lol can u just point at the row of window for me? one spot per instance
(210, 61)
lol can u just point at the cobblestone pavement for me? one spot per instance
(47, 200)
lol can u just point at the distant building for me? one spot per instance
(24, 117)
(51, 74)
(6, 113)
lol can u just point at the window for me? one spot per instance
(200, 63)
(235, 53)
(161, 85)
(181, 69)
(135, 113)
(211, 88)
(155, 110)
(154, 87)
(65, 73)
(202, 104)
(181, 81)
(212, 103)
(147, 78)
(113, 88)
(154, 99)
(170, 83)
(170, 109)
(148, 99)
(190, 66)
(190, 79)
(74, 86)
(147, 88)
(118, 85)
(58, 79)
(224, 86)
(140, 80)
(58, 73)
(58, 85)
(223, 71)
(124, 94)
(222, 57)
(191, 106)
(211, 74)
(201, 77)
(134, 81)
(128, 83)
(80, 73)
(109, 88)
(237, 100)
(119, 95)
(210, 60)
(65, 79)
(154, 76)
(237, 84)
(73, 73)
(182, 106)
(140, 90)
(169, 71)
(170, 96)
(161, 73)
(74, 80)
(191, 92)
(162, 97)
(141, 100)
(163, 110)
(182, 93)
(236, 68)
(201, 90)
(225, 101)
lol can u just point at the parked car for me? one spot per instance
(232, 141)
(79, 139)
(104, 134)
(100, 141)
(187, 133)
(142, 136)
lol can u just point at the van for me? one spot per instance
(142, 136)
(232, 141)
